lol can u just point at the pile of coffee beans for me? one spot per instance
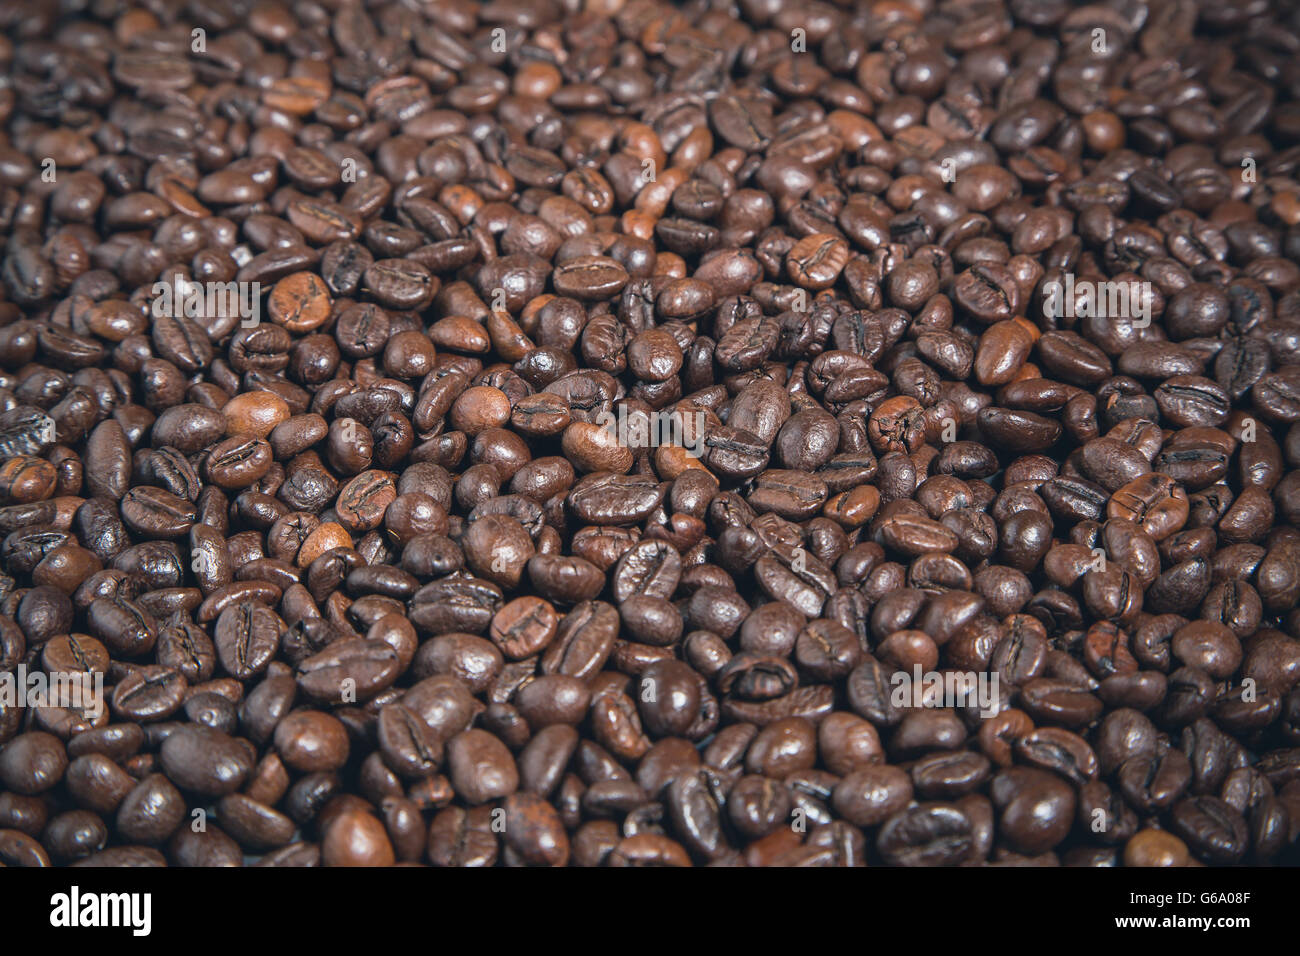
(623, 433)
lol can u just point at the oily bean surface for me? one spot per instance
(615, 434)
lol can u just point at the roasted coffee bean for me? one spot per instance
(349, 669)
(246, 637)
(572, 484)
(929, 834)
(149, 694)
(205, 761)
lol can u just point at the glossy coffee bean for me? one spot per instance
(575, 482)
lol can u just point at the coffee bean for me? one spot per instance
(581, 472)
(205, 761)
